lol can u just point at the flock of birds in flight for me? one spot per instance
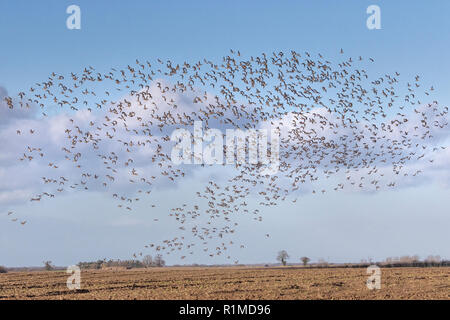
(337, 124)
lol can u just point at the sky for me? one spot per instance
(414, 39)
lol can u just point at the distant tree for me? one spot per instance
(98, 264)
(148, 261)
(282, 257)
(159, 261)
(92, 264)
(48, 265)
(305, 260)
(435, 259)
(323, 263)
(3, 269)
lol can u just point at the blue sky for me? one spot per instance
(36, 40)
(414, 39)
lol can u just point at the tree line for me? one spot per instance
(391, 262)
(147, 262)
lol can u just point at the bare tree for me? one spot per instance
(147, 261)
(159, 261)
(305, 260)
(435, 259)
(282, 257)
(48, 265)
(323, 263)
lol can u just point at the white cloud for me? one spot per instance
(19, 177)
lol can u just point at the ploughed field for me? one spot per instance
(230, 283)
